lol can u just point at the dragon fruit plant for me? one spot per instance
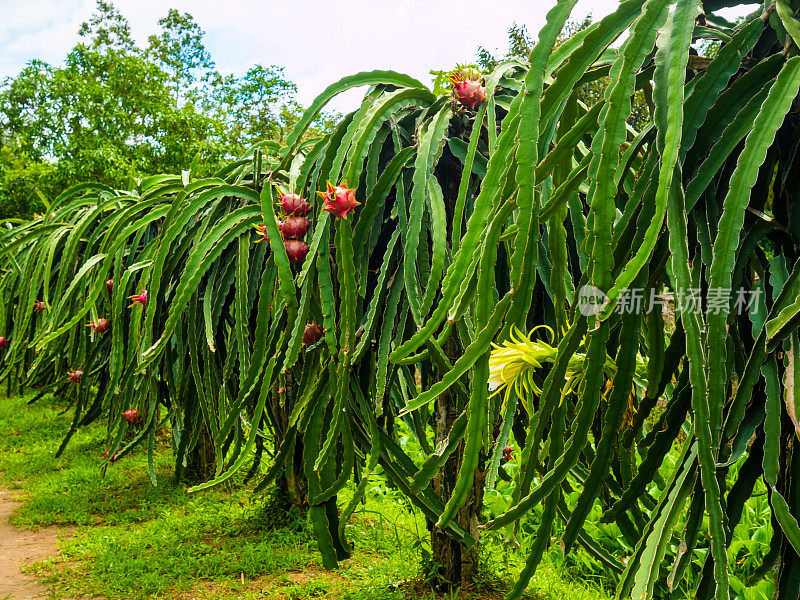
(479, 218)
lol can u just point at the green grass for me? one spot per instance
(134, 540)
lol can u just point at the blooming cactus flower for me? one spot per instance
(138, 298)
(312, 334)
(133, 416)
(296, 250)
(100, 326)
(39, 307)
(469, 91)
(339, 200)
(75, 376)
(294, 205)
(294, 228)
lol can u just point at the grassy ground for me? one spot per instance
(133, 540)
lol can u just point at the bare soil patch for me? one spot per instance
(20, 547)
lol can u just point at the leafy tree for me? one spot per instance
(179, 50)
(107, 28)
(113, 112)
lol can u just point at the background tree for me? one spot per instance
(180, 51)
(113, 112)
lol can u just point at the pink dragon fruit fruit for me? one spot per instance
(132, 416)
(75, 376)
(100, 326)
(140, 298)
(339, 200)
(312, 334)
(3, 342)
(296, 250)
(468, 89)
(294, 205)
(39, 307)
(294, 228)
(113, 457)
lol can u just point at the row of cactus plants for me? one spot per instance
(452, 223)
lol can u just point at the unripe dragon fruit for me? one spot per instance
(294, 205)
(296, 250)
(294, 228)
(132, 416)
(100, 326)
(138, 298)
(339, 200)
(39, 307)
(312, 334)
(468, 89)
(110, 286)
(3, 342)
(75, 376)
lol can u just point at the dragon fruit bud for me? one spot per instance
(294, 206)
(38, 307)
(312, 334)
(110, 286)
(469, 91)
(296, 250)
(281, 390)
(100, 326)
(339, 200)
(294, 228)
(138, 298)
(3, 341)
(132, 416)
(75, 376)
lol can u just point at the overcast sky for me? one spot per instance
(317, 41)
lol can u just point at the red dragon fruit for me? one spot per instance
(3, 342)
(508, 453)
(138, 298)
(110, 286)
(296, 250)
(312, 334)
(468, 89)
(294, 228)
(100, 326)
(132, 416)
(339, 200)
(294, 205)
(75, 376)
(39, 307)
(113, 457)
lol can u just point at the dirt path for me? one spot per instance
(19, 547)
